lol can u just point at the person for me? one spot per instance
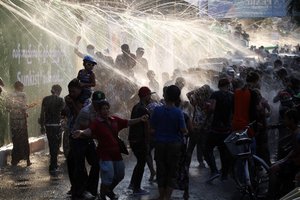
(169, 127)
(87, 78)
(153, 84)
(138, 138)
(201, 120)
(261, 138)
(4, 128)
(18, 125)
(50, 117)
(126, 61)
(141, 66)
(73, 105)
(105, 129)
(284, 171)
(89, 48)
(245, 104)
(222, 110)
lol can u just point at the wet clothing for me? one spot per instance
(85, 76)
(52, 107)
(245, 102)
(139, 141)
(18, 127)
(126, 63)
(81, 150)
(105, 133)
(222, 115)
(167, 122)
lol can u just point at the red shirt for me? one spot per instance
(241, 119)
(105, 134)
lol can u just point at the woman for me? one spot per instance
(18, 125)
(105, 130)
(169, 129)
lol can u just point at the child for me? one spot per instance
(86, 78)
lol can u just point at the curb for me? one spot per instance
(35, 144)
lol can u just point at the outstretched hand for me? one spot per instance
(144, 118)
(77, 134)
(78, 38)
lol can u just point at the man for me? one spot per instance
(138, 138)
(245, 104)
(285, 171)
(126, 61)
(89, 48)
(86, 149)
(141, 66)
(222, 109)
(50, 117)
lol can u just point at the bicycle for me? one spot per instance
(250, 172)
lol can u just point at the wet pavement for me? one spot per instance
(34, 182)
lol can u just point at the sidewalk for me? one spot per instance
(35, 143)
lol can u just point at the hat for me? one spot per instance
(89, 59)
(144, 91)
(98, 97)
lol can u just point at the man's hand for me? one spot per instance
(144, 118)
(43, 131)
(77, 134)
(78, 38)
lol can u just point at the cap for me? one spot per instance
(98, 97)
(144, 91)
(89, 59)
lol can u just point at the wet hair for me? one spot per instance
(278, 62)
(172, 93)
(74, 83)
(252, 77)
(90, 46)
(56, 88)
(292, 114)
(223, 82)
(124, 46)
(18, 84)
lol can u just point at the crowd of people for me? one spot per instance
(233, 97)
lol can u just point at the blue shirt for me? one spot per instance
(167, 122)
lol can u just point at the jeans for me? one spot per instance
(112, 171)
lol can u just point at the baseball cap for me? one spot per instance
(98, 97)
(144, 91)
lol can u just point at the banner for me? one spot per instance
(246, 8)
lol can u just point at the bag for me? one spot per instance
(122, 145)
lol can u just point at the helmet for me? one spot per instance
(89, 59)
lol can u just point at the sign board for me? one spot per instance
(246, 8)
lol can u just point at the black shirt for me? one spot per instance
(51, 110)
(137, 132)
(222, 115)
